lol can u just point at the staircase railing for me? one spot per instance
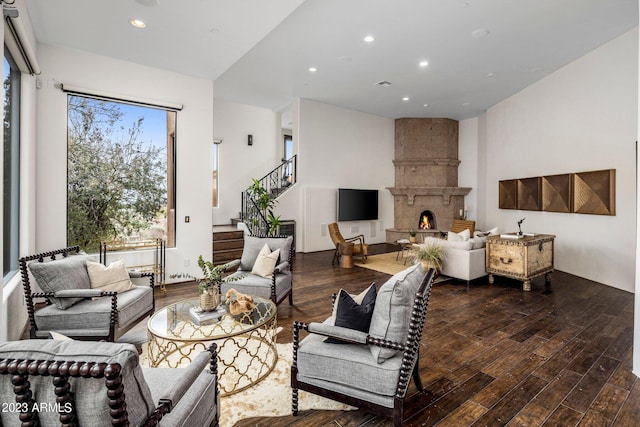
(276, 183)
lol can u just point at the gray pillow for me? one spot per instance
(392, 312)
(253, 244)
(66, 273)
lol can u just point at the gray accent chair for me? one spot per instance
(73, 308)
(65, 382)
(370, 370)
(279, 285)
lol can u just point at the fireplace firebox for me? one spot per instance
(427, 220)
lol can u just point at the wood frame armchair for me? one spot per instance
(360, 248)
(102, 384)
(279, 285)
(381, 386)
(463, 224)
(91, 314)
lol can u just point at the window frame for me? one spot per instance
(171, 148)
(11, 175)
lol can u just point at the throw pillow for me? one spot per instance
(253, 245)
(461, 236)
(392, 312)
(63, 274)
(265, 262)
(57, 336)
(354, 312)
(114, 278)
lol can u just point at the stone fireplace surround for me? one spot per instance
(426, 176)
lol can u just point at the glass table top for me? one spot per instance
(185, 321)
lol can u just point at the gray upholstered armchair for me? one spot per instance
(75, 309)
(65, 382)
(368, 369)
(264, 271)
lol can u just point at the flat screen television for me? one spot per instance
(357, 205)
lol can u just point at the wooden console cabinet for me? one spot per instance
(520, 258)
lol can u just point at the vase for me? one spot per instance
(426, 265)
(209, 299)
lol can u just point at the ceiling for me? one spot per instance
(259, 52)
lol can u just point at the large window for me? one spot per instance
(121, 179)
(11, 168)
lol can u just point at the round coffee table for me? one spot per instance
(246, 343)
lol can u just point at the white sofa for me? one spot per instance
(464, 260)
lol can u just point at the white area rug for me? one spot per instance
(272, 396)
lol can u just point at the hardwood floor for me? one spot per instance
(493, 355)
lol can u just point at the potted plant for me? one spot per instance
(412, 236)
(209, 284)
(430, 255)
(265, 204)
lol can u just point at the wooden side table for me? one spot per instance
(520, 258)
(346, 254)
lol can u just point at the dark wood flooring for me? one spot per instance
(493, 355)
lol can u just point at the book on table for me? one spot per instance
(200, 316)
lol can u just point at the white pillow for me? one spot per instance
(466, 245)
(114, 278)
(461, 236)
(58, 336)
(493, 231)
(265, 262)
(478, 242)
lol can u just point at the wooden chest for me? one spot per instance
(520, 258)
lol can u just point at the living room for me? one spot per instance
(580, 117)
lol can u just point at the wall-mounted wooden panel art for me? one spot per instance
(556, 193)
(594, 192)
(529, 194)
(507, 194)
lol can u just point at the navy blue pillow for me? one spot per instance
(350, 314)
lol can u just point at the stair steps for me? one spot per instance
(227, 245)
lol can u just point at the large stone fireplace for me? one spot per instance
(426, 177)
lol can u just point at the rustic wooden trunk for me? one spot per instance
(520, 258)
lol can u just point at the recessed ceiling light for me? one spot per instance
(384, 83)
(423, 63)
(489, 74)
(480, 32)
(406, 98)
(313, 69)
(425, 105)
(369, 39)
(137, 23)
(466, 104)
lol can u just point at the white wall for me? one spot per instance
(194, 140)
(582, 117)
(341, 148)
(239, 162)
(468, 169)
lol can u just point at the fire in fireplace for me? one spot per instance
(427, 221)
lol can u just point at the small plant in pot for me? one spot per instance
(430, 255)
(209, 284)
(412, 236)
